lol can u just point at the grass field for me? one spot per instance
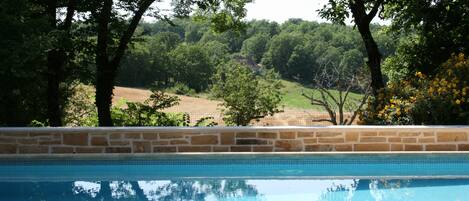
(297, 109)
(293, 98)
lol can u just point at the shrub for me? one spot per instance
(246, 96)
(149, 113)
(181, 89)
(439, 99)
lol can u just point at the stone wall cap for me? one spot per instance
(236, 129)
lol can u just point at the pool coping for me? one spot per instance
(230, 129)
(201, 155)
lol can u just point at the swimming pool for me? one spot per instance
(237, 177)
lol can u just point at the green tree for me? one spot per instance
(262, 27)
(255, 46)
(246, 96)
(362, 11)
(280, 49)
(24, 42)
(433, 30)
(218, 52)
(223, 16)
(302, 63)
(192, 66)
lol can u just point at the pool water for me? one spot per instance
(391, 177)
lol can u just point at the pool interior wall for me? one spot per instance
(261, 166)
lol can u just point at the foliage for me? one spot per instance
(434, 30)
(246, 96)
(255, 46)
(181, 89)
(80, 109)
(439, 99)
(23, 42)
(191, 66)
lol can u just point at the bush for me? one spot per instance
(181, 89)
(80, 109)
(149, 113)
(440, 99)
(245, 95)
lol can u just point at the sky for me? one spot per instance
(281, 10)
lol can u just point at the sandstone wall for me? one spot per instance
(233, 139)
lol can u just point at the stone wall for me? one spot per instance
(233, 139)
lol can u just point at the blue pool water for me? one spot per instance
(418, 177)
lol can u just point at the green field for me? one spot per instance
(292, 97)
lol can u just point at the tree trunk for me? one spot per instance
(54, 74)
(107, 69)
(363, 20)
(104, 75)
(55, 61)
(374, 58)
(104, 88)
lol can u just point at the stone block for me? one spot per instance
(250, 142)
(451, 137)
(241, 148)
(204, 139)
(99, 141)
(170, 135)
(33, 149)
(164, 149)
(62, 150)
(331, 140)
(413, 147)
(371, 147)
(287, 135)
(118, 150)
(267, 135)
(78, 139)
(246, 135)
(288, 145)
(134, 136)
(8, 148)
(141, 146)
(89, 150)
(351, 137)
(440, 147)
(263, 149)
(227, 138)
(372, 139)
(194, 149)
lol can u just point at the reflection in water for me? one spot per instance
(239, 190)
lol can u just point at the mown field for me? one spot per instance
(297, 108)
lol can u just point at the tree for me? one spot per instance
(255, 46)
(341, 107)
(192, 66)
(56, 59)
(302, 63)
(431, 30)
(24, 42)
(279, 52)
(363, 11)
(246, 96)
(224, 16)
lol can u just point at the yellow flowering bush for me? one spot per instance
(439, 99)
